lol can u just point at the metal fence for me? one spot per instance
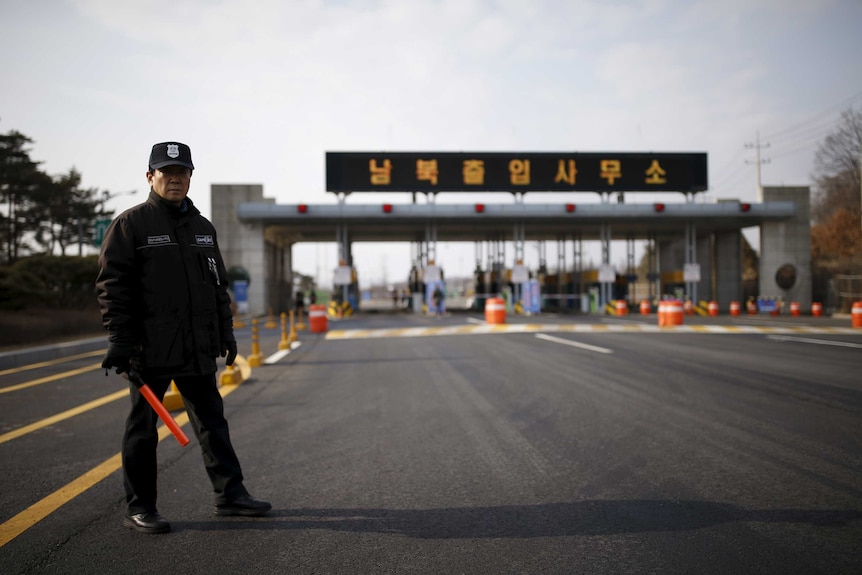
(848, 289)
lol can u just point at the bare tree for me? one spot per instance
(836, 169)
(836, 209)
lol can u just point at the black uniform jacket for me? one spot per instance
(162, 282)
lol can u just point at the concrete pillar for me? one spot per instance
(241, 244)
(785, 246)
(728, 269)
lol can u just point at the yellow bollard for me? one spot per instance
(292, 337)
(270, 323)
(235, 374)
(284, 343)
(256, 358)
(173, 400)
(228, 376)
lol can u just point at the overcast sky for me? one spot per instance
(261, 90)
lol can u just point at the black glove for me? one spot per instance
(121, 349)
(228, 348)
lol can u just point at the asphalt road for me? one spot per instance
(540, 451)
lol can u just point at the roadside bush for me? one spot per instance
(54, 282)
(14, 292)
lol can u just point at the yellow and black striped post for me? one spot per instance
(256, 358)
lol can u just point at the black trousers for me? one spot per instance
(206, 414)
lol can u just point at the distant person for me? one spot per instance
(299, 301)
(394, 298)
(162, 290)
(312, 297)
(438, 297)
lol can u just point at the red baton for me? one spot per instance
(157, 406)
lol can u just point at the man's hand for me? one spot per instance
(228, 348)
(120, 352)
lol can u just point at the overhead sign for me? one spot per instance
(520, 274)
(607, 274)
(691, 273)
(432, 172)
(342, 276)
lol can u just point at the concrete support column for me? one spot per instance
(728, 269)
(785, 249)
(606, 292)
(691, 258)
(242, 244)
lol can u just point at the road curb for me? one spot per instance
(25, 356)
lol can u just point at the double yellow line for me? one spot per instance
(18, 524)
(41, 509)
(65, 414)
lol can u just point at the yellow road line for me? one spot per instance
(20, 523)
(63, 415)
(15, 526)
(51, 362)
(54, 377)
(579, 328)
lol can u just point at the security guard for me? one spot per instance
(162, 290)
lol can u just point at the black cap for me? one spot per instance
(170, 154)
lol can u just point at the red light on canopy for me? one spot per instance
(659, 207)
(744, 207)
(480, 208)
(570, 208)
(387, 208)
(302, 208)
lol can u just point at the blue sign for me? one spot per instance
(240, 295)
(531, 296)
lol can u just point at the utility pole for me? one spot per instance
(758, 162)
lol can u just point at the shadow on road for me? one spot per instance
(525, 521)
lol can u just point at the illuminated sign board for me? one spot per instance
(431, 172)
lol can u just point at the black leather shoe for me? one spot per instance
(244, 505)
(147, 523)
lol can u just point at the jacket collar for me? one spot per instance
(187, 210)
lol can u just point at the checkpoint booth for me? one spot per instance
(258, 234)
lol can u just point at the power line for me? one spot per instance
(800, 137)
(847, 102)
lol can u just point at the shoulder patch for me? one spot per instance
(205, 240)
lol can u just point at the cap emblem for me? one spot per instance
(173, 150)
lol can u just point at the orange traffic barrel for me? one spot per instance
(674, 312)
(735, 308)
(795, 308)
(670, 312)
(495, 310)
(645, 307)
(856, 313)
(713, 308)
(622, 307)
(317, 318)
(688, 307)
(816, 309)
